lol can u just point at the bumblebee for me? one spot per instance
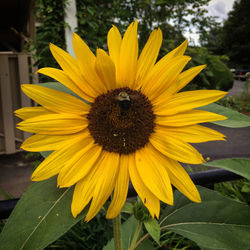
(124, 101)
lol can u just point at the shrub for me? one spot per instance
(215, 76)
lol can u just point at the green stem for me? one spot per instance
(117, 232)
(138, 229)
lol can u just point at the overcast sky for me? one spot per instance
(219, 8)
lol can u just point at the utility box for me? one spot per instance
(15, 69)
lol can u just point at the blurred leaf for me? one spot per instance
(238, 166)
(246, 188)
(215, 223)
(234, 118)
(45, 154)
(153, 229)
(41, 216)
(128, 208)
(146, 245)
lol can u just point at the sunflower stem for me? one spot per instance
(138, 229)
(117, 232)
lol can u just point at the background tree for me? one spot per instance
(95, 18)
(236, 33)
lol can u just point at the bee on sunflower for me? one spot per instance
(129, 122)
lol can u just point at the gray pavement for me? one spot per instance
(237, 88)
(237, 144)
(238, 139)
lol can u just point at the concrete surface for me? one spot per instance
(15, 172)
(237, 88)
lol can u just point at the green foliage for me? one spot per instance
(91, 235)
(215, 76)
(234, 118)
(238, 166)
(153, 228)
(231, 38)
(238, 190)
(235, 31)
(128, 230)
(95, 18)
(94, 21)
(240, 103)
(41, 216)
(216, 223)
(50, 15)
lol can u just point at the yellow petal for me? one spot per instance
(29, 112)
(83, 193)
(56, 160)
(183, 79)
(86, 60)
(85, 187)
(77, 87)
(165, 62)
(37, 143)
(154, 176)
(162, 79)
(128, 57)
(188, 100)
(175, 148)
(54, 124)
(188, 118)
(179, 51)
(55, 100)
(105, 68)
(179, 178)
(105, 178)
(121, 188)
(148, 198)
(148, 56)
(70, 66)
(114, 44)
(192, 134)
(80, 164)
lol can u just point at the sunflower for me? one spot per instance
(125, 122)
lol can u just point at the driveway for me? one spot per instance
(238, 139)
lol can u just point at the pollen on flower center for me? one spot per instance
(121, 120)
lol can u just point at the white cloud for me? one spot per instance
(220, 8)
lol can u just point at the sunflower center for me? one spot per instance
(121, 120)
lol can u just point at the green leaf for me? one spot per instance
(128, 231)
(234, 118)
(146, 245)
(238, 166)
(41, 216)
(153, 229)
(45, 154)
(128, 208)
(215, 223)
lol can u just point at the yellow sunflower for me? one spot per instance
(133, 125)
